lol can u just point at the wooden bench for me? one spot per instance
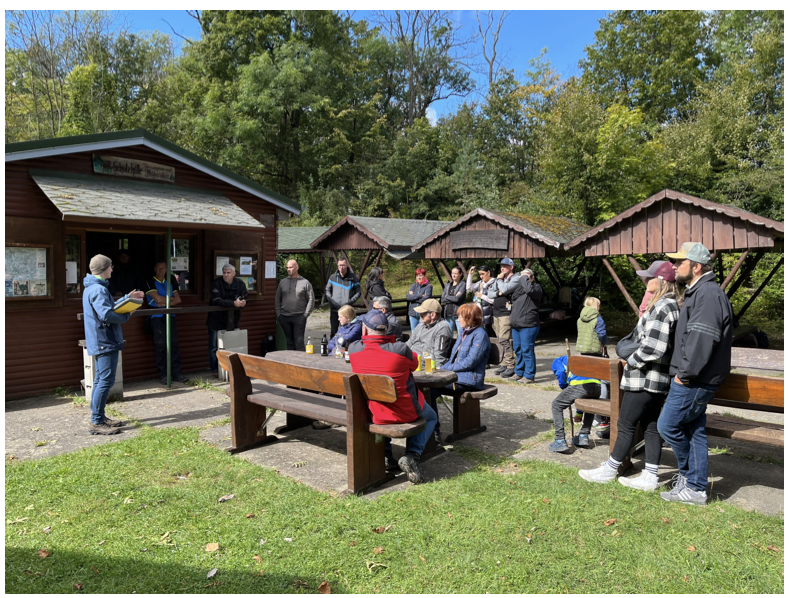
(302, 405)
(466, 405)
(739, 391)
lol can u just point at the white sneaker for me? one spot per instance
(602, 474)
(645, 481)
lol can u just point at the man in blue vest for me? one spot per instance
(156, 292)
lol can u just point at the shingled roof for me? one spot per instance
(80, 197)
(297, 239)
(551, 230)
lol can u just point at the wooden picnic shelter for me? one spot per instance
(393, 236)
(487, 234)
(664, 221)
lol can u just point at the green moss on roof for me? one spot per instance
(556, 228)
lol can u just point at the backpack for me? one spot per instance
(560, 368)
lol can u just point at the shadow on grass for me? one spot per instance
(143, 573)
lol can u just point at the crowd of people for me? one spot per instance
(675, 358)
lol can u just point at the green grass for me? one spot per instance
(136, 515)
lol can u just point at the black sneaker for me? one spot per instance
(114, 423)
(102, 430)
(390, 463)
(508, 373)
(182, 379)
(500, 370)
(163, 381)
(409, 464)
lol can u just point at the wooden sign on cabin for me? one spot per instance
(479, 239)
(138, 169)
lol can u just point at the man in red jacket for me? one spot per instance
(378, 353)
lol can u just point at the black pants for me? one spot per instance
(160, 347)
(293, 327)
(334, 323)
(643, 408)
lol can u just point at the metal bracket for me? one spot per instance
(262, 429)
(447, 406)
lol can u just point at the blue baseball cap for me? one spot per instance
(506, 262)
(375, 320)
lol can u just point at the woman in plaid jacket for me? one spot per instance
(646, 382)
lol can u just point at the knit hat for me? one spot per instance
(99, 263)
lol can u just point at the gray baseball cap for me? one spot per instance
(506, 262)
(696, 252)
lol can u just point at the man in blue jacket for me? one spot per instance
(103, 338)
(700, 363)
(341, 289)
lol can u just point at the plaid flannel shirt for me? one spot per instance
(647, 369)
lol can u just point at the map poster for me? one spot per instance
(26, 272)
(221, 261)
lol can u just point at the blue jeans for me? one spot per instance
(524, 346)
(453, 322)
(414, 322)
(682, 425)
(213, 364)
(416, 444)
(106, 364)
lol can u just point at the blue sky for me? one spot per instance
(564, 32)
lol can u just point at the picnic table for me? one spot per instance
(758, 359)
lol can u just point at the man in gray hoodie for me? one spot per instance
(293, 304)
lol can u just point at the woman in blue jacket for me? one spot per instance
(468, 358)
(350, 329)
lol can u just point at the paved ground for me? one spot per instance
(749, 475)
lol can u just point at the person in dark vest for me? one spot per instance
(103, 339)
(701, 354)
(453, 296)
(226, 291)
(343, 288)
(156, 292)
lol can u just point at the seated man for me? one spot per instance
(384, 305)
(378, 353)
(432, 334)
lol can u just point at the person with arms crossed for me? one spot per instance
(226, 291)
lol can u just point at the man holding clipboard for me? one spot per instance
(103, 339)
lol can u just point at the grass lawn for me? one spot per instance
(138, 515)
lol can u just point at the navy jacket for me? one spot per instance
(102, 324)
(703, 337)
(417, 294)
(350, 332)
(469, 358)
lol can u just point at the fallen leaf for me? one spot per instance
(77, 586)
(684, 510)
(324, 588)
(47, 529)
(128, 500)
(212, 547)
(378, 550)
(29, 508)
(288, 539)
(665, 520)
(225, 498)
(691, 549)
(378, 530)
(95, 570)
(250, 515)
(257, 558)
(546, 500)
(450, 515)
(774, 548)
(262, 542)
(423, 559)
(43, 553)
(351, 544)
(719, 509)
(102, 542)
(299, 584)
(609, 522)
(685, 578)
(212, 573)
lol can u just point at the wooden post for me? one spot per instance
(721, 267)
(446, 271)
(365, 264)
(324, 278)
(548, 273)
(578, 271)
(556, 272)
(461, 265)
(378, 258)
(745, 272)
(438, 275)
(592, 279)
(637, 266)
(620, 286)
(734, 270)
(345, 255)
(762, 286)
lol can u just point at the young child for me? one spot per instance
(573, 387)
(589, 341)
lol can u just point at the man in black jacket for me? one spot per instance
(525, 324)
(226, 291)
(343, 288)
(700, 363)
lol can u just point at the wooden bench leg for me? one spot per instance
(466, 419)
(364, 456)
(246, 418)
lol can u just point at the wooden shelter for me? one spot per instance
(666, 220)
(68, 199)
(393, 236)
(487, 234)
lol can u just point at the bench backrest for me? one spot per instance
(741, 391)
(375, 388)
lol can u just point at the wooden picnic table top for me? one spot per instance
(758, 359)
(436, 379)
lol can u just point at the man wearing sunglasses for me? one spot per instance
(700, 363)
